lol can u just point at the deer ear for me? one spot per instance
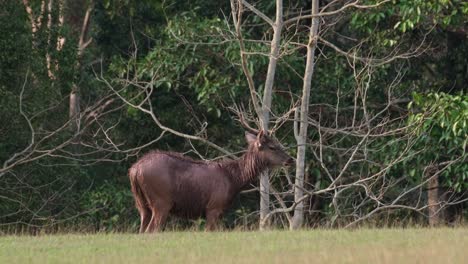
(251, 138)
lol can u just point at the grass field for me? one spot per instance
(313, 246)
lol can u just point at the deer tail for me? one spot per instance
(140, 200)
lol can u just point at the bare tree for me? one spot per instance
(274, 56)
(52, 141)
(264, 113)
(301, 135)
(369, 126)
(77, 16)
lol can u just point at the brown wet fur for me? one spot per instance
(165, 183)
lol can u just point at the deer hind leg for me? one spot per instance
(158, 218)
(212, 219)
(145, 217)
(146, 213)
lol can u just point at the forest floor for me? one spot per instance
(444, 245)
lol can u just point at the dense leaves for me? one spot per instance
(187, 52)
(443, 133)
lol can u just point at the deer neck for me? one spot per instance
(251, 165)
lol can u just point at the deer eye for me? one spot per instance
(272, 147)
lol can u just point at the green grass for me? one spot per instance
(313, 246)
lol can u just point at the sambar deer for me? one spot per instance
(165, 183)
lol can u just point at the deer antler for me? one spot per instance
(240, 113)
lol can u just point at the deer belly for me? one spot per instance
(188, 210)
(189, 204)
(193, 191)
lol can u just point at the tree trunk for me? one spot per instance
(266, 107)
(77, 17)
(74, 109)
(433, 198)
(301, 136)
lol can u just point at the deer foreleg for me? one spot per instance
(212, 219)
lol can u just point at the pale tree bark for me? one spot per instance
(266, 107)
(77, 17)
(262, 111)
(47, 9)
(36, 21)
(301, 135)
(36, 24)
(52, 64)
(49, 27)
(433, 204)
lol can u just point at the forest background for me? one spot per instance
(369, 96)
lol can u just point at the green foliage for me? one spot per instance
(194, 54)
(444, 117)
(414, 26)
(109, 207)
(442, 128)
(406, 15)
(438, 12)
(14, 44)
